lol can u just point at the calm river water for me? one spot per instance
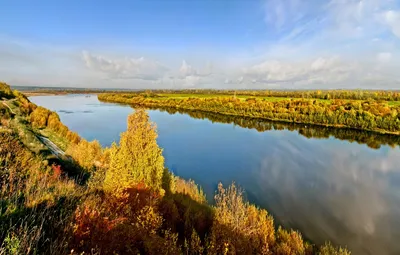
(327, 183)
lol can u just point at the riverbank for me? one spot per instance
(35, 93)
(367, 115)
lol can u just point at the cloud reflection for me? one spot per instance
(336, 191)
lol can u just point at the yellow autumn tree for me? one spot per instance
(5, 91)
(87, 154)
(137, 159)
(239, 227)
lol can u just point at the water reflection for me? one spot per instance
(371, 139)
(331, 193)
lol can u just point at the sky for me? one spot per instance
(237, 44)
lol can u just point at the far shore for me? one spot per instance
(52, 93)
(29, 94)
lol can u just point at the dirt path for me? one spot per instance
(5, 104)
(52, 147)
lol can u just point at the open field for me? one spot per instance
(393, 103)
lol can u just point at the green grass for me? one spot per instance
(26, 135)
(60, 141)
(394, 103)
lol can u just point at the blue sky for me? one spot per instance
(202, 44)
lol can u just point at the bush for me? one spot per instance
(289, 243)
(5, 91)
(86, 154)
(328, 249)
(239, 227)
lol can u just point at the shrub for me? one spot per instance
(328, 249)
(289, 243)
(191, 189)
(5, 91)
(86, 154)
(239, 227)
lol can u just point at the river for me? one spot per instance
(339, 185)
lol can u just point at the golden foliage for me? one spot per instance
(364, 115)
(86, 154)
(43, 118)
(189, 188)
(137, 159)
(289, 243)
(239, 227)
(39, 117)
(30, 191)
(5, 91)
(328, 249)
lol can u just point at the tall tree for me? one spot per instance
(137, 159)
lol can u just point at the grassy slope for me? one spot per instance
(36, 204)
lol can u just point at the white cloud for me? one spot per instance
(191, 81)
(282, 13)
(323, 70)
(392, 19)
(127, 68)
(330, 22)
(187, 70)
(384, 57)
(190, 77)
(335, 43)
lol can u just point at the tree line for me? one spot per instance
(385, 95)
(363, 115)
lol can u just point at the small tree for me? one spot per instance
(328, 249)
(137, 159)
(239, 227)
